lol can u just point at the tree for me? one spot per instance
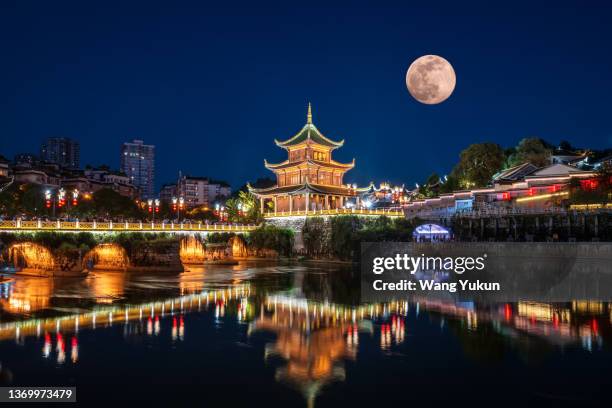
(262, 182)
(565, 145)
(315, 236)
(343, 244)
(109, 203)
(10, 199)
(477, 165)
(451, 183)
(201, 213)
(533, 150)
(431, 186)
(243, 208)
(32, 200)
(272, 237)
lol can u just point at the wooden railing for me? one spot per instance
(337, 211)
(101, 226)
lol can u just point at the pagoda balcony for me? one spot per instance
(335, 212)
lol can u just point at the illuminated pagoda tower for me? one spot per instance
(309, 180)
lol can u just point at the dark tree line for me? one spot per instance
(479, 162)
(341, 237)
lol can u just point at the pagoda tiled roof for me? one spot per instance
(309, 133)
(304, 188)
(331, 164)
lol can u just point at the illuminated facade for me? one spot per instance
(201, 191)
(523, 188)
(309, 180)
(138, 162)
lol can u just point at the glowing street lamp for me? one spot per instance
(75, 197)
(48, 198)
(153, 206)
(220, 211)
(51, 201)
(177, 205)
(61, 197)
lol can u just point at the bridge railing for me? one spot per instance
(40, 225)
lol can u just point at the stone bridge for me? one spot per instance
(163, 254)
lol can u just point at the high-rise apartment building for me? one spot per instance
(62, 151)
(201, 191)
(138, 163)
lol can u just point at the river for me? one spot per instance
(268, 334)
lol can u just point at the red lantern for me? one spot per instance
(61, 195)
(75, 196)
(590, 184)
(507, 312)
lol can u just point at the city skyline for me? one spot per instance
(185, 87)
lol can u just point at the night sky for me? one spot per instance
(211, 84)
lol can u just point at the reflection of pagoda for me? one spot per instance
(312, 346)
(309, 179)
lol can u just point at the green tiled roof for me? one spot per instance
(309, 132)
(303, 188)
(332, 164)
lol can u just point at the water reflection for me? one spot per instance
(24, 296)
(310, 333)
(107, 286)
(313, 344)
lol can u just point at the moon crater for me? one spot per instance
(430, 79)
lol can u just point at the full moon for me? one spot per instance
(430, 79)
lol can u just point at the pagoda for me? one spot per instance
(309, 180)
